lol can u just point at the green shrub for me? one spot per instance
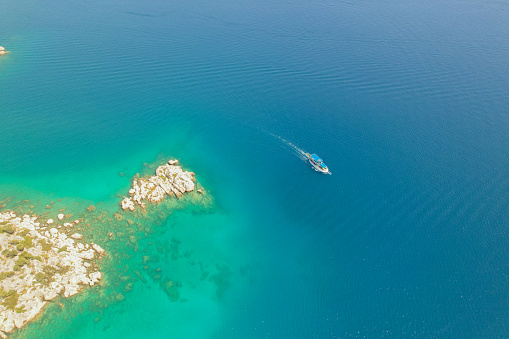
(11, 301)
(10, 253)
(46, 276)
(45, 246)
(24, 233)
(23, 259)
(51, 270)
(63, 249)
(28, 241)
(40, 276)
(4, 275)
(7, 229)
(4, 293)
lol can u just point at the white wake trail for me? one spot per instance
(300, 153)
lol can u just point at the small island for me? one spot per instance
(3, 51)
(170, 180)
(39, 262)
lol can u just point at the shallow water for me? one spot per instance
(406, 103)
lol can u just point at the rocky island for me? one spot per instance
(3, 51)
(169, 179)
(39, 262)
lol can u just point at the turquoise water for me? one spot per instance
(405, 102)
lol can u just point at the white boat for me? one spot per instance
(317, 163)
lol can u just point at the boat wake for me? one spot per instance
(299, 152)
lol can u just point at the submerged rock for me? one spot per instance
(128, 287)
(172, 291)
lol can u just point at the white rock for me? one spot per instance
(50, 221)
(95, 277)
(87, 255)
(71, 290)
(98, 249)
(8, 325)
(50, 295)
(77, 236)
(19, 320)
(173, 162)
(127, 203)
(60, 216)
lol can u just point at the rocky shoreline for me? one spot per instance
(38, 263)
(3, 51)
(169, 179)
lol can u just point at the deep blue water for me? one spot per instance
(407, 103)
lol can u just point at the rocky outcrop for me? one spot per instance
(77, 236)
(38, 264)
(98, 249)
(169, 179)
(127, 203)
(3, 51)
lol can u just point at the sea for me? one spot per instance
(407, 102)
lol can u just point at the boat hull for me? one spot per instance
(318, 168)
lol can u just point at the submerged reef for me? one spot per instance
(38, 263)
(3, 51)
(170, 180)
